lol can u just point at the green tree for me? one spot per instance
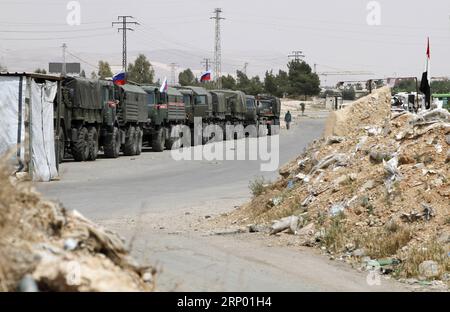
(94, 75)
(41, 71)
(283, 83)
(141, 71)
(242, 83)
(270, 84)
(255, 87)
(349, 94)
(302, 80)
(83, 74)
(440, 87)
(186, 78)
(228, 82)
(104, 70)
(405, 85)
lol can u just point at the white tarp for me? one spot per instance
(42, 131)
(12, 117)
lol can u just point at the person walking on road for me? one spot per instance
(288, 120)
(302, 105)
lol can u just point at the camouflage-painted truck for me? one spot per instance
(269, 108)
(166, 111)
(81, 114)
(96, 114)
(124, 120)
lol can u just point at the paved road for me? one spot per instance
(159, 204)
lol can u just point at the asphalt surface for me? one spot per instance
(158, 205)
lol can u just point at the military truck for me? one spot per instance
(166, 111)
(81, 117)
(251, 116)
(130, 116)
(269, 108)
(199, 104)
(236, 107)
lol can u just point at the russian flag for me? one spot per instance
(164, 86)
(206, 76)
(120, 78)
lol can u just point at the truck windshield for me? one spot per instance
(250, 103)
(265, 104)
(200, 100)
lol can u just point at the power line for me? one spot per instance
(206, 62)
(124, 23)
(218, 48)
(297, 55)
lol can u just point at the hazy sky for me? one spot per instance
(333, 34)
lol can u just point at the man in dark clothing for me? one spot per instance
(288, 120)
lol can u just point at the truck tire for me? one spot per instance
(80, 148)
(130, 145)
(159, 140)
(170, 140)
(139, 139)
(61, 145)
(93, 144)
(112, 145)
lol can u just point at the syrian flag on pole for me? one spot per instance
(206, 76)
(425, 85)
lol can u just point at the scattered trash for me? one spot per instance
(337, 209)
(277, 201)
(414, 216)
(290, 223)
(429, 269)
(290, 185)
(335, 140)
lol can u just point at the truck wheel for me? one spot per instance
(61, 145)
(130, 142)
(139, 137)
(170, 140)
(80, 148)
(93, 144)
(159, 140)
(112, 146)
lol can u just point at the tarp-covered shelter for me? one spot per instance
(27, 115)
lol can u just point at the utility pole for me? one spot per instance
(64, 67)
(297, 55)
(173, 78)
(218, 48)
(245, 68)
(206, 62)
(124, 28)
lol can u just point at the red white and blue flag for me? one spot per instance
(206, 76)
(164, 86)
(120, 78)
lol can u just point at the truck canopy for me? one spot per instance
(83, 93)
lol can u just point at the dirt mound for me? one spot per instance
(375, 188)
(44, 247)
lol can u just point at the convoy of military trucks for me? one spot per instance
(98, 115)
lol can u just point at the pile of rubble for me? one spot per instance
(374, 191)
(44, 247)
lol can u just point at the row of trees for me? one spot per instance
(409, 85)
(298, 81)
